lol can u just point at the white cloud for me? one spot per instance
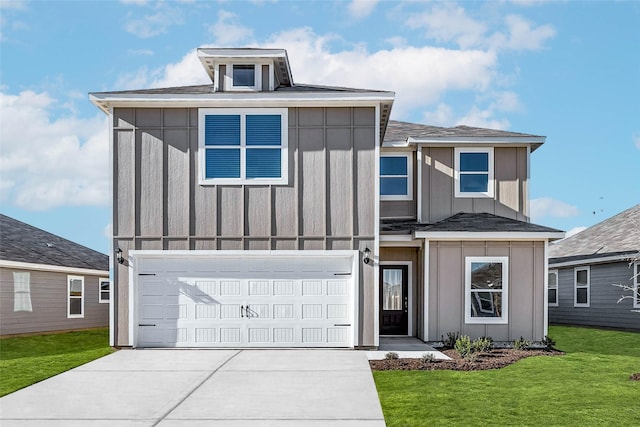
(522, 35)
(154, 24)
(13, 5)
(442, 116)
(49, 162)
(361, 8)
(549, 207)
(574, 231)
(636, 139)
(483, 119)
(140, 52)
(228, 32)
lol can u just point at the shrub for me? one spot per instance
(428, 357)
(391, 355)
(548, 342)
(450, 341)
(521, 344)
(482, 345)
(464, 348)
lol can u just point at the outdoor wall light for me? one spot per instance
(119, 256)
(366, 258)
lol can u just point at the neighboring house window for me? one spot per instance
(581, 291)
(75, 296)
(636, 285)
(553, 288)
(105, 285)
(243, 146)
(474, 172)
(22, 291)
(244, 75)
(396, 182)
(486, 289)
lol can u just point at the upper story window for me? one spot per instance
(244, 75)
(582, 284)
(240, 146)
(553, 288)
(474, 172)
(395, 176)
(486, 290)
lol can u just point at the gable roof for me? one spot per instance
(22, 242)
(617, 235)
(398, 131)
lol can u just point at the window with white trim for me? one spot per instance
(243, 75)
(474, 172)
(104, 290)
(486, 290)
(22, 291)
(581, 287)
(553, 288)
(243, 146)
(636, 285)
(396, 181)
(75, 296)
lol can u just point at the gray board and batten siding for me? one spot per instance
(48, 296)
(328, 203)
(437, 187)
(604, 309)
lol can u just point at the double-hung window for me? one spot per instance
(75, 296)
(581, 289)
(474, 172)
(486, 290)
(240, 146)
(21, 291)
(105, 285)
(553, 288)
(395, 176)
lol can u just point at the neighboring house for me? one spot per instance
(255, 212)
(584, 267)
(48, 283)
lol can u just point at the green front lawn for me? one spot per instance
(589, 386)
(27, 360)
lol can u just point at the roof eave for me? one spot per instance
(489, 235)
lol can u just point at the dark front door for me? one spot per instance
(394, 300)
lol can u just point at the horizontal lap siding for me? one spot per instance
(329, 202)
(49, 304)
(604, 308)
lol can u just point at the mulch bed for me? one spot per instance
(495, 359)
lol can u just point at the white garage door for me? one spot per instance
(247, 301)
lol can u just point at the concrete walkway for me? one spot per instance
(406, 348)
(204, 388)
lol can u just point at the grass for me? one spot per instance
(27, 360)
(589, 385)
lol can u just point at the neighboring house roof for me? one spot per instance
(22, 242)
(613, 237)
(412, 132)
(467, 222)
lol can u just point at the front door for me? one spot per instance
(394, 300)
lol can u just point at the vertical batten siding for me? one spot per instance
(329, 202)
(510, 175)
(48, 292)
(447, 289)
(604, 308)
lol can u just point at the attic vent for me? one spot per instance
(49, 245)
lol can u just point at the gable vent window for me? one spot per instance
(243, 146)
(474, 172)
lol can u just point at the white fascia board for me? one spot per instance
(593, 260)
(494, 235)
(395, 144)
(52, 268)
(158, 253)
(457, 140)
(204, 52)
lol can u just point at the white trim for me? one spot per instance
(527, 195)
(553, 272)
(112, 276)
(635, 279)
(257, 77)
(490, 172)
(52, 268)
(488, 235)
(593, 260)
(458, 140)
(101, 280)
(242, 180)
(392, 242)
(504, 319)
(409, 265)
(376, 230)
(545, 297)
(82, 297)
(209, 52)
(587, 286)
(409, 195)
(419, 184)
(425, 309)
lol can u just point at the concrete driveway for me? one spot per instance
(204, 388)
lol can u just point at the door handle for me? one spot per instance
(146, 324)
(242, 311)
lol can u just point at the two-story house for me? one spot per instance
(255, 212)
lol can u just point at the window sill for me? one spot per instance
(486, 321)
(239, 181)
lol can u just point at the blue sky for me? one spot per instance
(566, 70)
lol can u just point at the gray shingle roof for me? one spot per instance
(24, 243)
(466, 221)
(400, 131)
(617, 235)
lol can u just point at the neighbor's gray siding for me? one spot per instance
(447, 292)
(49, 303)
(439, 202)
(329, 202)
(604, 309)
